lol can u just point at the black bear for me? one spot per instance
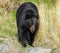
(27, 23)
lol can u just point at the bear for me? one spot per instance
(27, 19)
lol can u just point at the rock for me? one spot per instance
(38, 50)
(8, 46)
(56, 50)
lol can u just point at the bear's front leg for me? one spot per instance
(22, 37)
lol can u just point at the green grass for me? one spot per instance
(49, 29)
(1, 41)
(34, 1)
(8, 24)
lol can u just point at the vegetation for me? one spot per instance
(49, 29)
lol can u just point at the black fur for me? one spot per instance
(26, 16)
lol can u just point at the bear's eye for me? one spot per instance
(29, 14)
(28, 17)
